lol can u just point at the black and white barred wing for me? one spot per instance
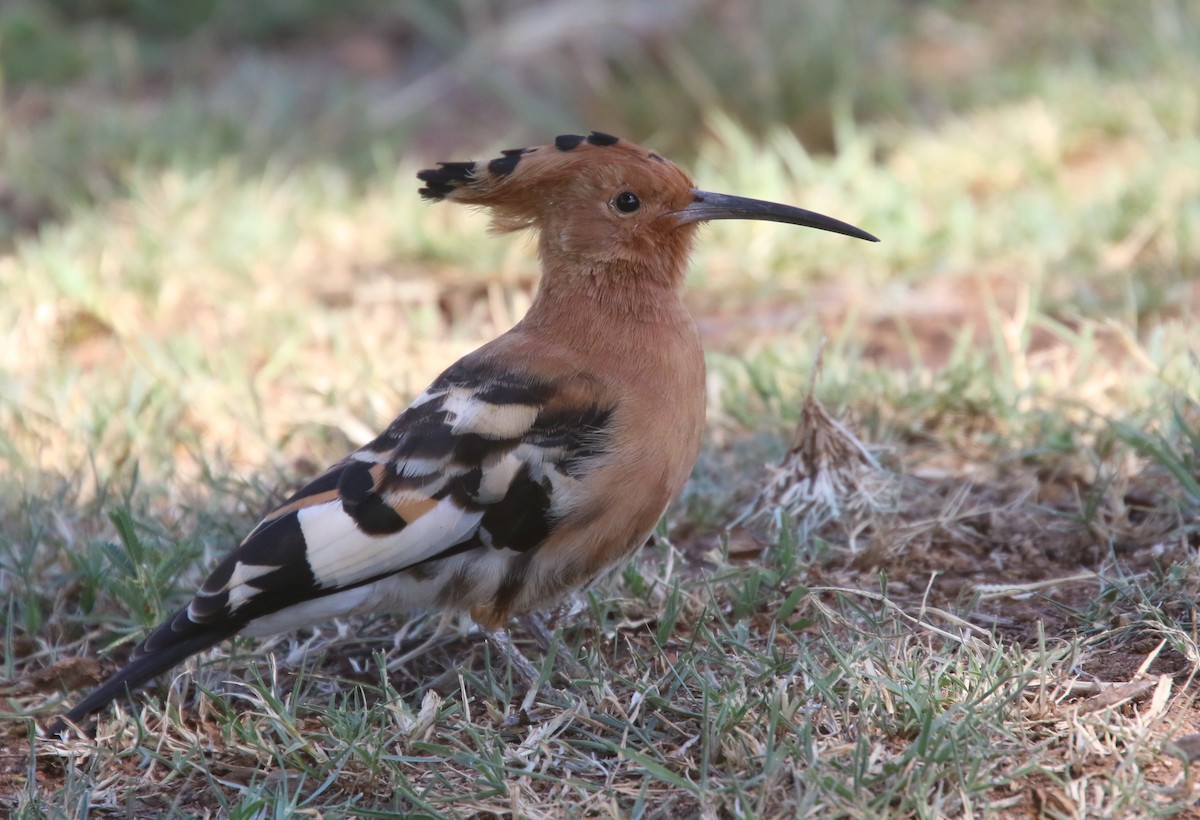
(466, 467)
(477, 463)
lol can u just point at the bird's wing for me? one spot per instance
(482, 459)
(479, 459)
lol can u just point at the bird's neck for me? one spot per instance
(637, 332)
(610, 297)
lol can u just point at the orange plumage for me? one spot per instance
(530, 465)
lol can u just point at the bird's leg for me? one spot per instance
(501, 641)
(535, 624)
(439, 630)
(529, 674)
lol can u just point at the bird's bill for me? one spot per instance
(707, 206)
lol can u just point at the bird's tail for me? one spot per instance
(174, 640)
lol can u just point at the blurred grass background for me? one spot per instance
(96, 89)
(216, 276)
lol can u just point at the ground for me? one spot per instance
(218, 278)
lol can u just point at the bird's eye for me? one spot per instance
(627, 202)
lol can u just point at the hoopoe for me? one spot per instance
(530, 465)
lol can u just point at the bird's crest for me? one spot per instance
(521, 181)
(480, 182)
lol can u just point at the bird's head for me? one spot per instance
(602, 205)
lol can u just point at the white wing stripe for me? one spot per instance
(497, 478)
(340, 554)
(492, 421)
(244, 573)
(428, 395)
(412, 467)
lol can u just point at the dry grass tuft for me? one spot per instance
(827, 474)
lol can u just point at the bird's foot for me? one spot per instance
(530, 676)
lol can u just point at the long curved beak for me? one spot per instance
(707, 206)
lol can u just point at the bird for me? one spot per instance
(529, 466)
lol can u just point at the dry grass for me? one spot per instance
(1007, 629)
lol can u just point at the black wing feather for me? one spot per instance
(178, 638)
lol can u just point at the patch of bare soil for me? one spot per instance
(1028, 553)
(1016, 556)
(1020, 558)
(1032, 549)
